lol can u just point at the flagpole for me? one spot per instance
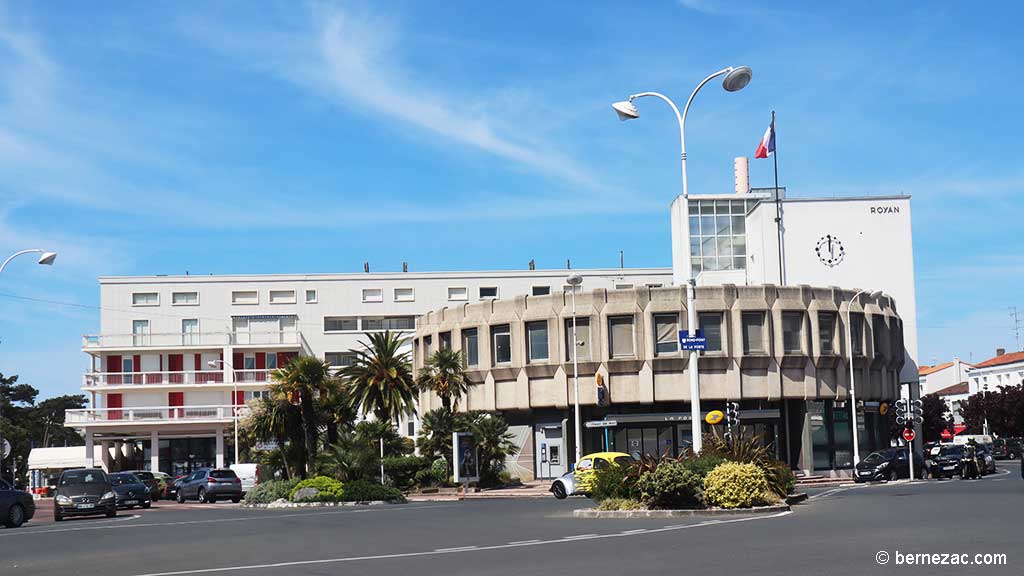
(778, 209)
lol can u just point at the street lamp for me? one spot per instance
(853, 394)
(736, 78)
(575, 280)
(234, 398)
(46, 259)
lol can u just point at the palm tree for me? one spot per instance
(444, 374)
(274, 418)
(380, 380)
(302, 381)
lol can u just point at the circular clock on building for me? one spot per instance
(830, 250)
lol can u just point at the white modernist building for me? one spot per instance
(175, 355)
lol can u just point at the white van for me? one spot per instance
(248, 473)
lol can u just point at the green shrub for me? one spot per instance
(435, 475)
(403, 470)
(610, 504)
(671, 485)
(267, 492)
(365, 491)
(780, 477)
(735, 485)
(701, 465)
(614, 482)
(328, 490)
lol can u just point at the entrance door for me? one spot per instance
(550, 452)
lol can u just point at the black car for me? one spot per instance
(84, 492)
(16, 506)
(150, 481)
(948, 462)
(129, 491)
(1008, 448)
(888, 464)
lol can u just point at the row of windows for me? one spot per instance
(622, 336)
(368, 323)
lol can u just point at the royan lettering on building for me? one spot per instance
(885, 209)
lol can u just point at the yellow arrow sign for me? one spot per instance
(714, 417)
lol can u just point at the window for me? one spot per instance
(541, 290)
(249, 362)
(271, 361)
(405, 295)
(145, 299)
(458, 294)
(718, 234)
(310, 296)
(389, 323)
(341, 323)
(710, 323)
(470, 346)
(339, 359)
(127, 364)
(857, 333)
(666, 333)
(184, 298)
(488, 292)
(411, 428)
(537, 340)
(190, 331)
(623, 286)
(282, 296)
(245, 297)
(753, 332)
(140, 332)
(878, 334)
(444, 340)
(826, 332)
(501, 344)
(582, 339)
(792, 329)
(373, 295)
(620, 333)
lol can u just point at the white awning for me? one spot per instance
(57, 458)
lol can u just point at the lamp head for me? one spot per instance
(626, 110)
(212, 363)
(47, 258)
(876, 294)
(737, 79)
(574, 280)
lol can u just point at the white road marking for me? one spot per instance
(828, 493)
(456, 549)
(444, 551)
(518, 542)
(252, 518)
(633, 531)
(579, 537)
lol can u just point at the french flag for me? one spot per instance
(767, 145)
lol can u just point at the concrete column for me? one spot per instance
(807, 445)
(154, 451)
(220, 448)
(89, 448)
(118, 460)
(105, 456)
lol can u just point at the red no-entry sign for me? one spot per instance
(909, 434)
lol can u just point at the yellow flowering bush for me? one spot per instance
(735, 485)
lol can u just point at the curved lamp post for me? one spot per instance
(736, 78)
(853, 394)
(575, 280)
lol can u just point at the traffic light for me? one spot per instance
(915, 414)
(732, 414)
(901, 411)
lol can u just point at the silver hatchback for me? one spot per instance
(210, 485)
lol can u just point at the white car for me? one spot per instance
(249, 474)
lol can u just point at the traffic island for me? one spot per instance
(282, 503)
(655, 514)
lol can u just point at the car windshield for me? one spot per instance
(223, 474)
(876, 457)
(122, 479)
(955, 451)
(623, 460)
(143, 475)
(83, 477)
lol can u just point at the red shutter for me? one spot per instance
(199, 362)
(114, 401)
(137, 367)
(113, 365)
(239, 398)
(284, 358)
(261, 360)
(176, 363)
(176, 399)
(238, 362)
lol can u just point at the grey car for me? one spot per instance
(209, 485)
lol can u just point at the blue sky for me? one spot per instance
(310, 137)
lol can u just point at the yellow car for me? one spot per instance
(581, 479)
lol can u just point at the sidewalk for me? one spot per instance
(532, 489)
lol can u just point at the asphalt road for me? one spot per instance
(837, 532)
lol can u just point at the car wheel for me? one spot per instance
(15, 516)
(147, 504)
(202, 496)
(892, 476)
(558, 489)
(236, 500)
(112, 513)
(57, 516)
(181, 497)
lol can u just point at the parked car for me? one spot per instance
(988, 460)
(150, 480)
(948, 462)
(249, 474)
(209, 485)
(1007, 448)
(129, 490)
(83, 492)
(173, 486)
(164, 480)
(580, 479)
(889, 464)
(16, 506)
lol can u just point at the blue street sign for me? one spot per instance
(696, 342)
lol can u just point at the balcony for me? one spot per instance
(153, 414)
(190, 340)
(186, 378)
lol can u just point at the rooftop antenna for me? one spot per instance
(366, 267)
(533, 265)
(568, 264)
(622, 259)
(1018, 319)
(405, 266)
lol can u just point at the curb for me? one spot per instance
(796, 498)
(638, 514)
(278, 505)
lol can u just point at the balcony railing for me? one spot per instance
(153, 414)
(189, 378)
(190, 339)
